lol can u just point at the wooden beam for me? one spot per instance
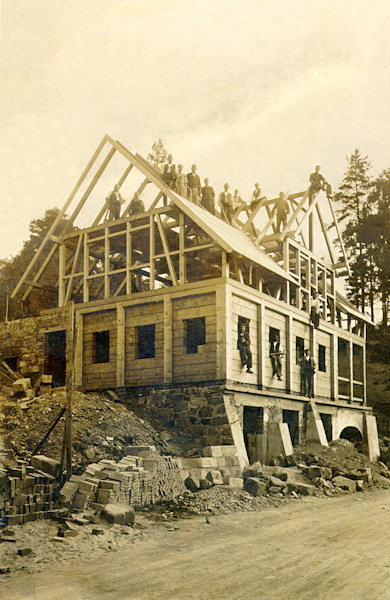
(106, 264)
(307, 214)
(137, 193)
(166, 250)
(120, 349)
(120, 287)
(86, 269)
(340, 237)
(60, 215)
(156, 200)
(78, 359)
(260, 345)
(129, 252)
(221, 332)
(294, 215)
(237, 268)
(76, 257)
(74, 215)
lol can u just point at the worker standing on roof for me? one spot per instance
(225, 202)
(238, 203)
(282, 209)
(136, 205)
(193, 185)
(318, 183)
(181, 182)
(114, 201)
(256, 197)
(208, 197)
(169, 173)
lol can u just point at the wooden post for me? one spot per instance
(289, 365)
(182, 258)
(220, 301)
(120, 351)
(364, 366)
(151, 251)
(78, 359)
(335, 366)
(261, 349)
(69, 389)
(106, 263)
(86, 269)
(168, 350)
(61, 273)
(350, 370)
(128, 257)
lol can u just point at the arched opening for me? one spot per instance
(352, 434)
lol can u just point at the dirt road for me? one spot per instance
(318, 549)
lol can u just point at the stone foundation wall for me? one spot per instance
(197, 411)
(24, 339)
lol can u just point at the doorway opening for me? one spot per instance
(55, 356)
(291, 417)
(253, 426)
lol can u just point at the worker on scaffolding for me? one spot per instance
(282, 209)
(225, 202)
(136, 205)
(256, 197)
(308, 368)
(318, 183)
(244, 347)
(114, 202)
(276, 353)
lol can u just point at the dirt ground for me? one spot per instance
(311, 549)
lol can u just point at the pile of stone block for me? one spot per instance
(26, 494)
(219, 465)
(139, 479)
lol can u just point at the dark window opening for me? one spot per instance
(146, 338)
(352, 434)
(357, 362)
(253, 425)
(327, 423)
(195, 334)
(55, 356)
(273, 334)
(242, 321)
(299, 349)
(101, 341)
(12, 362)
(291, 417)
(343, 357)
(321, 358)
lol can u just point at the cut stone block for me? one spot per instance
(255, 486)
(123, 514)
(21, 385)
(46, 464)
(212, 451)
(234, 482)
(192, 484)
(344, 483)
(215, 477)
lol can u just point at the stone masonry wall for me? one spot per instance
(197, 411)
(24, 339)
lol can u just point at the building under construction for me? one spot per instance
(156, 306)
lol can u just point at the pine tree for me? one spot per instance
(353, 196)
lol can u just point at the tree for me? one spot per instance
(158, 155)
(12, 269)
(355, 208)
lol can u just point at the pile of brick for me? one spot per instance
(26, 494)
(219, 465)
(140, 478)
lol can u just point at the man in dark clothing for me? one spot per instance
(318, 183)
(225, 202)
(114, 201)
(308, 368)
(276, 353)
(208, 197)
(136, 205)
(194, 186)
(244, 346)
(169, 173)
(282, 209)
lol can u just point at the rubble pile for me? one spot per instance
(102, 428)
(139, 479)
(26, 493)
(339, 466)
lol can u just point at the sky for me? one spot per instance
(250, 90)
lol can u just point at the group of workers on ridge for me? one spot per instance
(230, 205)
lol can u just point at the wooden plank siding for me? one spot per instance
(99, 375)
(200, 366)
(248, 310)
(144, 371)
(323, 379)
(301, 330)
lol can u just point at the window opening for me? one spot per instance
(101, 346)
(195, 334)
(322, 358)
(146, 341)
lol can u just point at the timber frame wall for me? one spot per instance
(220, 301)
